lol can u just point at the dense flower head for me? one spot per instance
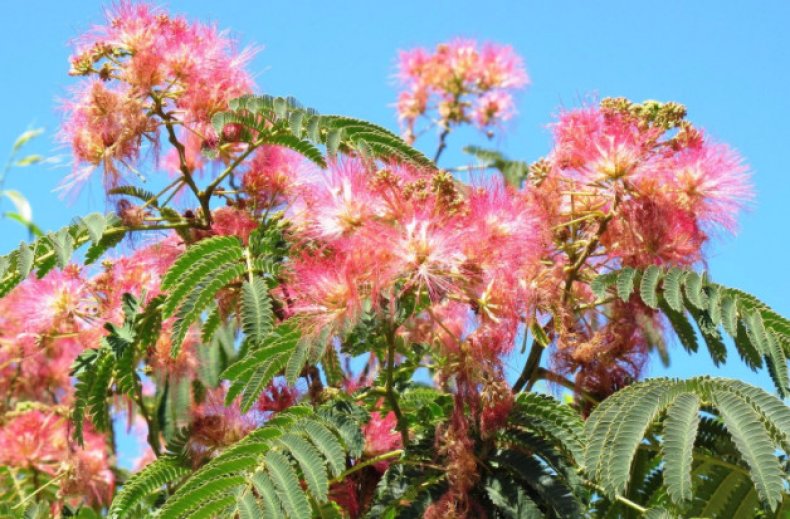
(468, 82)
(666, 184)
(151, 70)
(270, 175)
(374, 235)
(39, 439)
(381, 436)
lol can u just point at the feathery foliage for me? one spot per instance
(759, 333)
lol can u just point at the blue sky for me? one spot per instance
(727, 61)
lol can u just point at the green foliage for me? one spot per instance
(528, 469)
(164, 470)
(56, 248)
(284, 122)
(109, 369)
(513, 171)
(260, 363)
(754, 429)
(260, 474)
(759, 333)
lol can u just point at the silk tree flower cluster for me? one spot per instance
(148, 73)
(628, 185)
(460, 82)
(460, 272)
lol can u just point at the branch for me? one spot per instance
(167, 119)
(392, 398)
(442, 144)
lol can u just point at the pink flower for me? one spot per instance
(710, 181)
(651, 231)
(149, 63)
(276, 398)
(271, 175)
(336, 203)
(492, 107)
(458, 75)
(231, 221)
(104, 126)
(381, 437)
(34, 439)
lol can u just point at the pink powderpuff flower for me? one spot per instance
(104, 126)
(58, 302)
(459, 74)
(381, 437)
(215, 425)
(162, 361)
(192, 70)
(501, 67)
(425, 253)
(710, 181)
(232, 221)
(443, 327)
(600, 146)
(271, 175)
(335, 204)
(328, 294)
(87, 471)
(276, 398)
(34, 440)
(493, 107)
(652, 231)
(345, 494)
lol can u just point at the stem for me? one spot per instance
(529, 373)
(153, 429)
(162, 192)
(617, 497)
(367, 463)
(392, 398)
(182, 158)
(228, 170)
(546, 374)
(38, 490)
(533, 361)
(442, 144)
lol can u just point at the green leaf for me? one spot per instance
(648, 285)
(693, 289)
(681, 325)
(680, 431)
(26, 137)
(24, 260)
(625, 283)
(672, 293)
(287, 484)
(153, 477)
(754, 444)
(201, 249)
(303, 147)
(200, 299)
(257, 317)
(310, 462)
(94, 224)
(265, 487)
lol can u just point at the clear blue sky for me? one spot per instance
(728, 61)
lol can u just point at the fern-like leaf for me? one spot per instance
(680, 431)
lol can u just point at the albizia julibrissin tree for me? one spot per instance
(311, 318)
